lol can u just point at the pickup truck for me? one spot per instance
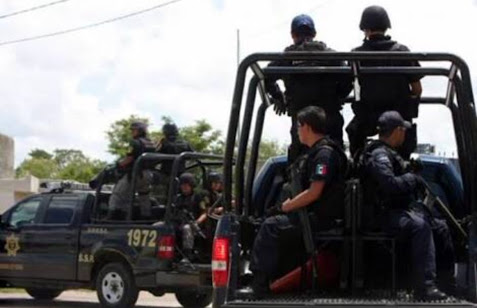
(58, 240)
(371, 266)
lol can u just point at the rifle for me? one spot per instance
(296, 189)
(187, 217)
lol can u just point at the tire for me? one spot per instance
(194, 298)
(43, 294)
(115, 286)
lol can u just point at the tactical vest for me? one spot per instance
(382, 92)
(173, 147)
(331, 203)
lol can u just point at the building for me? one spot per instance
(12, 190)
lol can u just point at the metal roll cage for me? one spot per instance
(459, 99)
(202, 160)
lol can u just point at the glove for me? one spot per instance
(279, 104)
(416, 165)
(274, 210)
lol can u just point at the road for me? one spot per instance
(81, 299)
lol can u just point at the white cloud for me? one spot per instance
(180, 61)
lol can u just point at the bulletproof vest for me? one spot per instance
(304, 90)
(147, 146)
(372, 193)
(176, 146)
(382, 92)
(190, 203)
(331, 203)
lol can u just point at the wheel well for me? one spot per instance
(106, 257)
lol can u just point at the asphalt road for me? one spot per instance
(81, 299)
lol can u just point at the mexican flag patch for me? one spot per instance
(321, 169)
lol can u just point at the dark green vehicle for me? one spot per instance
(59, 240)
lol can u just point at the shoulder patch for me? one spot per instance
(321, 169)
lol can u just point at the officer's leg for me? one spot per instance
(334, 127)
(120, 197)
(143, 189)
(356, 135)
(264, 259)
(187, 239)
(410, 143)
(412, 227)
(445, 259)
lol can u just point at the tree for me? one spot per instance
(203, 138)
(68, 164)
(38, 153)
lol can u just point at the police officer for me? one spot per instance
(325, 91)
(169, 144)
(194, 206)
(391, 188)
(382, 92)
(122, 191)
(214, 189)
(322, 180)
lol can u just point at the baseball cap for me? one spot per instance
(389, 120)
(302, 21)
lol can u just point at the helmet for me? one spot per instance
(187, 178)
(374, 18)
(170, 129)
(215, 177)
(140, 126)
(303, 24)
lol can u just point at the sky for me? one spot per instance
(180, 61)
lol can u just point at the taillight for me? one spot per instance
(166, 247)
(220, 261)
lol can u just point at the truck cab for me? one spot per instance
(451, 194)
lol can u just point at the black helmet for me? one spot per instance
(187, 178)
(375, 18)
(170, 129)
(215, 177)
(140, 126)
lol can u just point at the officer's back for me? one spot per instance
(172, 144)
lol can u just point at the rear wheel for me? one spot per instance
(194, 298)
(116, 287)
(44, 294)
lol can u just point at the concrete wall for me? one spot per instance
(13, 190)
(7, 148)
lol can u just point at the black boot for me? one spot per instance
(430, 293)
(260, 285)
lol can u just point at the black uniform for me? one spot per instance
(325, 91)
(326, 162)
(194, 204)
(172, 146)
(380, 93)
(392, 190)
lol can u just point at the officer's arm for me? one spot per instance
(416, 89)
(382, 171)
(126, 161)
(305, 198)
(203, 215)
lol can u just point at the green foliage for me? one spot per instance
(38, 153)
(270, 148)
(203, 138)
(68, 164)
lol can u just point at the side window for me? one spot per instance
(25, 212)
(61, 210)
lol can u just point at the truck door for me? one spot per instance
(15, 258)
(55, 238)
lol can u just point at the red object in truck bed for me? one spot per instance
(328, 274)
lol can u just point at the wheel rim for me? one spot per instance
(112, 287)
